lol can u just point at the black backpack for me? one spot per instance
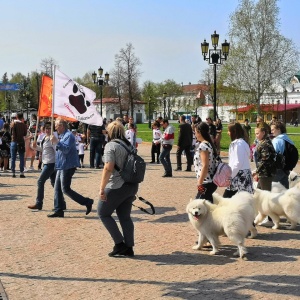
(134, 168)
(291, 156)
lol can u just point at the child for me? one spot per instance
(81, 148)
(130, 134)
(155, 142)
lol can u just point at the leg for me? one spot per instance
(178, 158)
(58, 194)
(92, 152)
(65, 181)
(98, 153)
(162, 159)
(13, 153)
(189, 158)
(201, 241)
(153, 151)
(21, 156)
(45, 174)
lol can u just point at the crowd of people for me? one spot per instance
(60, 150)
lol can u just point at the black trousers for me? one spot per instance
(155, 149)
(189, 157)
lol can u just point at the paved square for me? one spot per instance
(44, 258)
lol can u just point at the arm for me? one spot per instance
(107, 171)
(204, 156)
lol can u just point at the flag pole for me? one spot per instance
(53, 99)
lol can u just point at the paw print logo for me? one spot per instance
(78, 101)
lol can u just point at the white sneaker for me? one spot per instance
(25, 170)
(266, 222)
(31, 168)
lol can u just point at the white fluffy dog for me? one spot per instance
(274, 205)
(233, 216)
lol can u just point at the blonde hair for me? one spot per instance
(115, 130)
(62, 121)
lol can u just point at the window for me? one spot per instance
(269, 117)
(240, 117)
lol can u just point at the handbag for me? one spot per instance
(223, 173)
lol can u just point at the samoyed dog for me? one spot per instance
(233, 217)
(274, 205)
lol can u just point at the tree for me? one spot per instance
(47, 65)
(260, 57)
(128, 65)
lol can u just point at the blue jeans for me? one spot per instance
(48, 171)
(120, 200)
(282, 177)
(95, 151)
(62, 186)
(13, 154)
(165, 158)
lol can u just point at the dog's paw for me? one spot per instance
(213, 252)
(196, 247)
(275, 226)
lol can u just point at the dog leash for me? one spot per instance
(146, 202)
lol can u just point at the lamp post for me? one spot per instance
(164, 99)
(149, 113)
(285, 94)
(216, 56)
(100, 82)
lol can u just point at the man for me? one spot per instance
(125, 120)
(19, 131)
(212, 129)
(48, 158)
(66, 162)
(185, 140)
(167, 142)
(95, 138)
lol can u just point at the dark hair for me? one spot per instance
(165, 121)
(182, 118)
(236, 131)
(203, 128)
(281, 126)
(20, 115)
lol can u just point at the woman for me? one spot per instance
(265, 167)
(5, 147)
(219, 128)
(115, 194)
(204, 162)
(278, 130)
(239, 155)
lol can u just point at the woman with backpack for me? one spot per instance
(278, 130)
(239, 161)
(116, 194)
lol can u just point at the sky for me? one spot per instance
(82, 35)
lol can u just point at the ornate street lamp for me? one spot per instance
(164, 99)
(100, 82)
(285, 94)
(216, 56)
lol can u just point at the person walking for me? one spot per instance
(115, 194)
(156, 142)
(205, 162)
(278, 130)
(239, 161)
(265, 167)
(19, 131)
(95, 139)
(219, 129)
(167, 142)
(66, 162)
(185, 141)
(48, 159)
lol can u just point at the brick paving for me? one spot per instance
(44, 258)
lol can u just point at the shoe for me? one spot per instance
(31, 168)
(129, 252)
(14, 175)
(152, 162)
(35, 206)
(188, 170)
(89, 207)
(99, 167)
(57, 214)
(266, 222)
(178, 169)
(167, 175)
(158, 162)
(25, 170)
(22, 176)
(92, 167)
(118, 249)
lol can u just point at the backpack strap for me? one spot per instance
(146, 202)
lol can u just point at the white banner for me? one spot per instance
(74, 100)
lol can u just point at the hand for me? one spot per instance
(201, 189)
(53, 139)
(102, 195)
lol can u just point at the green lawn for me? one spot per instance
(146, 134)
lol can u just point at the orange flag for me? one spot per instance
(45, 104)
